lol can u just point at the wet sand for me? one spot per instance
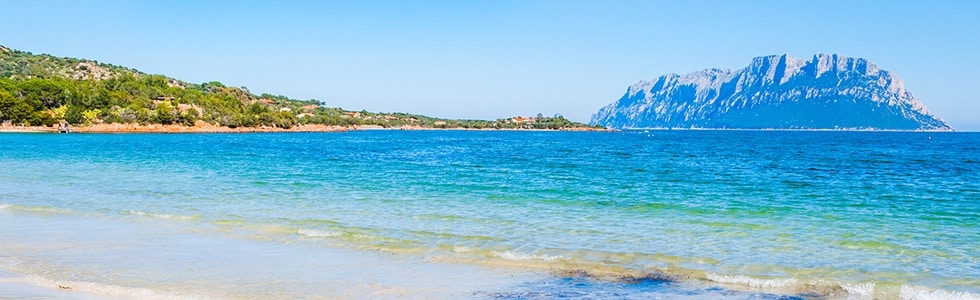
(17, 287)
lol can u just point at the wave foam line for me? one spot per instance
(106, 289)
(313, 233)
(832, 288)
(866, 289)
(573, 266)
(770, 283)
(34, 209)
(790, 286)
(524, 256)
(158, 216)
(912, 293)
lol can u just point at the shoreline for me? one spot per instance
(16, 286)
(45, 272)
(202, 127)
(363, 276)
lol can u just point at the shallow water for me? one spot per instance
(736, 214)
(141, 259)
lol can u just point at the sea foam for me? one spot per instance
(314, 233)
(159, 216)
(866, 289)
(524, 256)
(765, 283)
(106, 289)
(914, 293)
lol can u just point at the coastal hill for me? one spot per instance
(44, 90)
(774, 92)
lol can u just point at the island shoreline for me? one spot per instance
(209, 128)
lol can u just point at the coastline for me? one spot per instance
(786, 129)
(202, 127)
(13, 286)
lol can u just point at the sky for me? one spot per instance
(486, 59)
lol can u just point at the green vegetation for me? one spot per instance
(45, 90)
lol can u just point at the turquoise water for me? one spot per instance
(802, 214)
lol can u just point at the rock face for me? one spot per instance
(774, 92)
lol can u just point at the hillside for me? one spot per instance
(46, 90)
(775, 92)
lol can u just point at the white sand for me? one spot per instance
(17, 287)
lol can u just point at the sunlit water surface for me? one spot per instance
(477, 214)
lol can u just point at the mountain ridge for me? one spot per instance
(828, 91)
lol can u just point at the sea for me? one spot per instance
(445, 214)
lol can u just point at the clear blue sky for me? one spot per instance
(490, 59)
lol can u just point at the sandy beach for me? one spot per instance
(16, 287)
(200, 127)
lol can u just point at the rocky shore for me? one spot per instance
(203, 127)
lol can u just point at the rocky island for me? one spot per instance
(830, 92)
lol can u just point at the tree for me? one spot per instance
(46, 93)
(286, 120)
(74, 114)
(13, 109)
(59, 112)
(189, 117)
(41, 118)
(8, 85)
(165, 113)
(91, 116)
